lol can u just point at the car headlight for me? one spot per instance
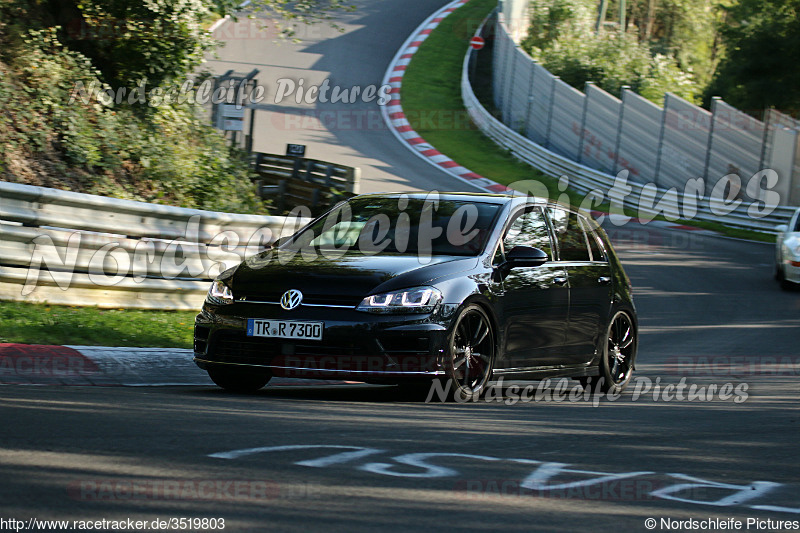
(219, 293)
(416, 300)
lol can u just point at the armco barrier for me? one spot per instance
(585, 179)
(68, 248)
(666, 145)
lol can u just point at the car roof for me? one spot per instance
(515, 198)
(462, 196)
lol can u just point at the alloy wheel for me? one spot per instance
(472, 346)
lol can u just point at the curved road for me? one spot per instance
(352, 134)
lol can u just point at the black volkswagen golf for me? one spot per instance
(408, 288)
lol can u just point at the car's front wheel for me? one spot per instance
(238, 379)
(471, 349)
(616, 367)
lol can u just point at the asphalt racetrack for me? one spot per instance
(359, 457)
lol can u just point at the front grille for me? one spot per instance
(235, 346)
(352, 353)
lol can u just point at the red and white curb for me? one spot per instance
(37, 364)
(395, 117)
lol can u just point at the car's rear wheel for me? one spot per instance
(238, 379)
(471, 348)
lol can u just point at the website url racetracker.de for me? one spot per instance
(122, 524)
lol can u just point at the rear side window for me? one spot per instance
(572, 242)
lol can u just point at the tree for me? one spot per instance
(763, 44)
(160, 41)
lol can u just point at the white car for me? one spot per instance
(787, 253)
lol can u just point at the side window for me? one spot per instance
(529, 229)
(595, 244)
(572, 243)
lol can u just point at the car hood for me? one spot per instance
(342, 280)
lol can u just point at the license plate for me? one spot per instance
(285, 329)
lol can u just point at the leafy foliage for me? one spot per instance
(161, 152)
(763, 43)
(166, 154)
(562, 38)
(157, 40)
(687, 30)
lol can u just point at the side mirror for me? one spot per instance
(281, 241)
(525, 256)
(783, 228)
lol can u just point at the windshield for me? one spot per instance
(401, 225)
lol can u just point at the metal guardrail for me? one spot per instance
(585, 179)
(69, 248)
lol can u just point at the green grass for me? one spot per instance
(431, 97)
(54, 324)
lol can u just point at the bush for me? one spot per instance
(163, 154)
(562, 39)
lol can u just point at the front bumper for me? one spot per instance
(791, 271)
(355, 345)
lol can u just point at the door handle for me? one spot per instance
(561, 280)
(603, 280)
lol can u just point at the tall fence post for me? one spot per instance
(765, 139)
(550, 113)
(530, 101)
(661, 138)
(618, 141)
(499, 32)
(583, 120)
(710, 145)
(508, 107)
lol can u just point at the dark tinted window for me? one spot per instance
(402, 225)
(529, 229)
(572, 244)
(594, 242)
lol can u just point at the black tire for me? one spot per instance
(471, 351)
(618, 355)
(236, 379)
